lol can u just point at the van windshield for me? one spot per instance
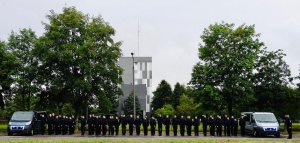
(22, 116)
(265, 118)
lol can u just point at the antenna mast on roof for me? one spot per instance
(138, 34)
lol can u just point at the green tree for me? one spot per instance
(7, 70)
(178, 91)
(21, 45)
(186, 106)
(162, 95)
(128, 105)
(78, 61)
(271, 83)
(227, 61)
(167, 109)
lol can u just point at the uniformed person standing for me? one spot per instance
(212, 126)
(242, 125)
(130, 122)
(167, 122)
(43, 122)
(50, 124)
(110, 126)
(123, 124)
(182, 125)
(196, 123)
(189, 123)
(288, 125)
(145, 125)
(90, 124)
(57, 125)
(228, 126)
(117, 124)
(219, 126)
(82, 125)
(97, 125)
(137, 123)
(204, 124)
(159, 122)
(175, 122)
(235, 126)
(152, 125)
(104, 125)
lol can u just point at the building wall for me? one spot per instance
(142, 73)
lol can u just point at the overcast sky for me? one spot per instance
(169, 29)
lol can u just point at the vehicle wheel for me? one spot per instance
(31, 132)
(255, 134)
(277, 135)
(9, 134)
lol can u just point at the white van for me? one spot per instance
(261, 124)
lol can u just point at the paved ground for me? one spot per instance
(122, 138)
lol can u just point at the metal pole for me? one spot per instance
(134, 113)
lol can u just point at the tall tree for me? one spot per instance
(78, 60)
(162, 95)
(128, 105)
(227, 61)
(7, 70)
(178, 91)
(271, 82)
(21, 45)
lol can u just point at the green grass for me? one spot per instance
(3, 127)
(156, 141)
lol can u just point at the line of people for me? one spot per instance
(58, 124)
(216, 126)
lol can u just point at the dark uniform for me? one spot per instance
(145, 125)
(130, 122)
(152, 125)
(159, 122)
(98, 125)
(110, 122)
(43, 122)
(232, 125)
(212, 125)
(167, 122)
(182, 125)
(72, 125)
(64, 125)
(219, 126)
(175, 122)
(104, 125)
(50, 122)
(189, 124)
(204, 125)
(117, 124)
(242, 125)
(235, 126)
(57, 125)
(225, 124)
(288, 125)
(82, 125)
(123, 124)
(137, 123)
(196, 123)
(90, 124)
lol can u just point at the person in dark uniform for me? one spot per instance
(57, 125)
(130, 122)
(175, 122)
(82, 125)
(43, 122)
(50, 124)
(228, 126)
(167, 122)
(159, 122)
(123, 124)
(117, 124)
(145, 125)
(104, 125)
(97, 125)
(64, 125)
(196, 123)
(182, 125)
(235, 126)
(189, 123)
(204, 124)
(152, 125)
(224, 118)
(219, 126)
(137, 123)
(242, 125)
(90, 124)
(288, 125)
(211, 126)
(110, 122)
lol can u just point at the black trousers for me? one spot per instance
(137, 129)
(175, 130)
(159, 130)
(242, 130)
(189, 130)
(130, 130)
(290, 133)
(182, 130)
(152, 130)
(196, 130)
(82, 128)
(123, 130)
(167, 130)
(117, 130)
(145, 130)
(204, 130)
